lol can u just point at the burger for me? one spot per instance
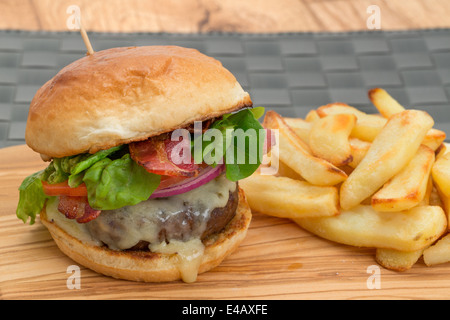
(136, 188)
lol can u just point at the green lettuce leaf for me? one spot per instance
(55, 173)
(76, 165)
(113, 184)
(32, 197)
(87, 161)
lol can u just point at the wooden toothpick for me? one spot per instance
(85, 37)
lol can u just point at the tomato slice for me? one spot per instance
(63, 189)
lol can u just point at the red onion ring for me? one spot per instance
(204, 177)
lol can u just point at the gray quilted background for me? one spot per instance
(290, 73)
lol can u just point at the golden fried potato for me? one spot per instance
(288, 198)
(389, 153)
(296, 154)
(397, 260)
(367, 127)
(388, 106)
(312, 116)
(300, 127)
(408, 187)
(385, 103)
(358, 149)
(438, 253)
(329, 138)
(441, 174)
(363, 226)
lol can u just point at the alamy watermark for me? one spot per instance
(74, 280)
(74, 19)
(374, 280)
(374, 20)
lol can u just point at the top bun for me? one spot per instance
(120, 95)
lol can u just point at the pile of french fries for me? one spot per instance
(366, 180)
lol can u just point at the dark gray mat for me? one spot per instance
(290, 73)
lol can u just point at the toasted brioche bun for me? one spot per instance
(148, 266)
(120, 95)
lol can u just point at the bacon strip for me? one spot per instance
(77, 208)
(165, 157)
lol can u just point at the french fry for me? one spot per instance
(312, 116)
(426, 201)
(441, 174)
(407, 188)
(441, 150)
(285, 171)
(390, 152)
(385, 103)
(367, 127)
(358, 149)
(438, 253)
(300, 127)
(434, 138)
(388, 106)
(363, 226)
(435, 198)
(445, 203)
(295, 153)
(347, 169)
(397, 260)
(328, 138)
(288, 198)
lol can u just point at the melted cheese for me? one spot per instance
(189, 256)
(123, 228)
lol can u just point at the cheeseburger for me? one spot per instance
(133, 188)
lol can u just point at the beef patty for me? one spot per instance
(185, 222)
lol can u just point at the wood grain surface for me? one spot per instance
(277, 260)
(230, 16)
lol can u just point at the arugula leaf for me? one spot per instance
(113, 184)
(258, 112)
(210, 154)
(246, 154)
(32, 197)
(241, 143)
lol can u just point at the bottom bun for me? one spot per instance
(149, 266)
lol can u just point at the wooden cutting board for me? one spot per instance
(277, 260)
